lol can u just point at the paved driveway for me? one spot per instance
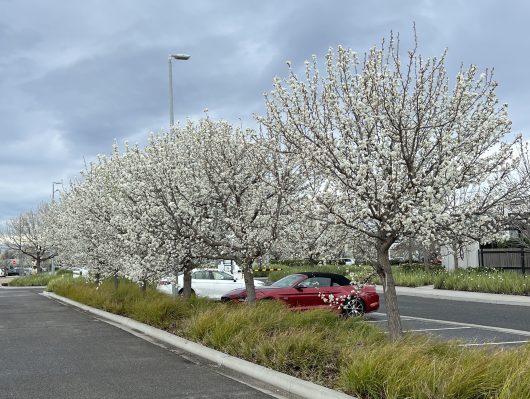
(49, 350)
(471, 323)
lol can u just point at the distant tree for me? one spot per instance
(25, 234)
(393, 141)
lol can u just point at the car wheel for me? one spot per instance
(353, 307)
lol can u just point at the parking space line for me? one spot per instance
(496, 343)
(438, 329)
(455, 323)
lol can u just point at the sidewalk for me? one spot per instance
(430, 292)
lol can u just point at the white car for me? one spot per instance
(79, 272)
(209, 283)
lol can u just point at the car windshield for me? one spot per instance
(287, 281)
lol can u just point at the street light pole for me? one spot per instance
(54, 189)
(182, 57)
(53, 201)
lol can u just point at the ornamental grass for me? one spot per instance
(349, 355)
(34, 280)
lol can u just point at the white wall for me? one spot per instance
(470, 257)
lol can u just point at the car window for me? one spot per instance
(287, 281)
(316, 282)
(201, 275)
(221, 276)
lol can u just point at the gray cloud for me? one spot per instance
(75, 76)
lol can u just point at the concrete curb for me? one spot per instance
(283, 381)
(466, 296)
(25, 287)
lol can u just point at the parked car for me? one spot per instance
(309, 290)
(209, 283)
(79, 272)
(3, 272)
(13, 271)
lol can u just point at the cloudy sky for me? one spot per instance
(76, 75)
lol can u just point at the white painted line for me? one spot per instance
(438, 329)
(496, 343)
(478, 326)
(375, 321)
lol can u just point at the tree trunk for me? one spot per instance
(116, 280)
(454, 248)
(248, 275)
(144, 286)
(38, 265)
(385, 272)
(97, 277)
(186, 289)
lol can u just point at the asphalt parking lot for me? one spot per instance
(473, 324)
(50, 350)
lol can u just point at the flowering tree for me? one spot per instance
(309, 235)
(154, 183)
(237, 188)
(393, 140)
(25, 234)
(88, 229)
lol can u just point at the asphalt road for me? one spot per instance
(474, 323)
(49, 350)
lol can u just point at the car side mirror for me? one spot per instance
(299, 287)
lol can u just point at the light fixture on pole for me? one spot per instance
(53, 200)
(55, 189)
(182, 57)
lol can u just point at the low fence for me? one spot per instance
(517, 259)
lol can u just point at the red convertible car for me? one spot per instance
(312, 290)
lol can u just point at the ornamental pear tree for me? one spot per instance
(154, 184)
(393, 139)
(89, 212)
(238, 187)
(26, 234)
(310, 235)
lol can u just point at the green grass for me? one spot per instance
(40, 279)
(348, 355)
(482, 280)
